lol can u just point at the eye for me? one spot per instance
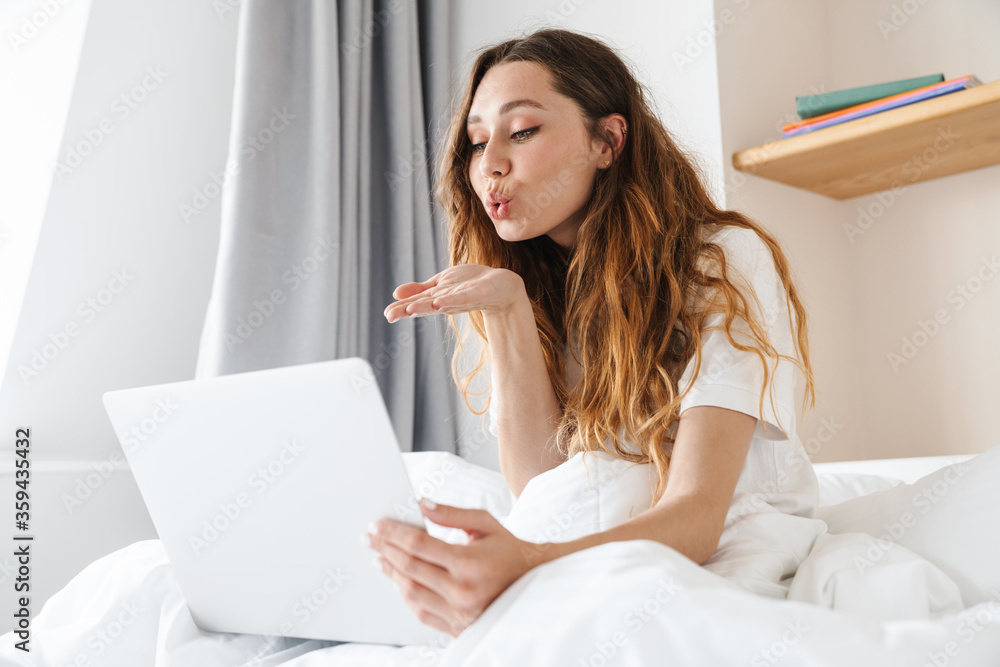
(523, 134)
(520, 137)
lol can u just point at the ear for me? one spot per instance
(616, 128)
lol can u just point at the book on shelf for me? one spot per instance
(810, 106)
(880, 105)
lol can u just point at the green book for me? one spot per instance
(815, 105)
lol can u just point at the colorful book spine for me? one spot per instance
(810, 106)
(878, 106)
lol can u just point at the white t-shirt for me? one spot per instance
(770, 526)
(728, 377)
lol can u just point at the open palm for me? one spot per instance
(457, 289)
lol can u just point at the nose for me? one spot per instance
(493, 162)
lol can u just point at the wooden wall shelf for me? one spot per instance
(919, 142)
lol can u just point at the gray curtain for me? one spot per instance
(327, 204)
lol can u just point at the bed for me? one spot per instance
(907, 574)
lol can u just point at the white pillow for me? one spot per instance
(605, 491)
(447, 478)
(950, 517)
(835, 488)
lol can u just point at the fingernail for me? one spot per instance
(366, 539)
(378, 563)
(428, 503)
(373, 528)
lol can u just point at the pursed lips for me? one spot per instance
(495, 199)
(497, 205)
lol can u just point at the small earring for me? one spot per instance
(607, 162)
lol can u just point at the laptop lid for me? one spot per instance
(260, 486)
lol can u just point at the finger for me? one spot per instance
(421, 307)
(429, 608)
(406, 290)
(431, 577)
(460, 620)
(414, 541)
(400, 309)
(452, 300)
(477, 521)
(437, 301)
(409, 289)
(397, 311)
(427, 618)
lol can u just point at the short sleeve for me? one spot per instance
(734, 379)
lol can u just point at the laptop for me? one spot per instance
(260, 486)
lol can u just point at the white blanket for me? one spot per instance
(858, 599)
(640, 602)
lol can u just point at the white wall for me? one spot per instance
(43, 46)
(117, 211)
(768, 53)
(681, 76)
(931, 237)
(863, 296)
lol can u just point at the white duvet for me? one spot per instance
(906, 575)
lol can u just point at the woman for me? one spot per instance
(574, 216)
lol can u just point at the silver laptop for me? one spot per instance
(260, 486)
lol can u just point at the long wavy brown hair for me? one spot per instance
(625, 289)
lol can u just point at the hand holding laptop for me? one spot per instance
(448, 586)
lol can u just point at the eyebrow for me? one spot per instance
(508, 107)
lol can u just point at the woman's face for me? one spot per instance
(530, 147)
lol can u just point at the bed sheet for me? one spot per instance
(619, 603)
